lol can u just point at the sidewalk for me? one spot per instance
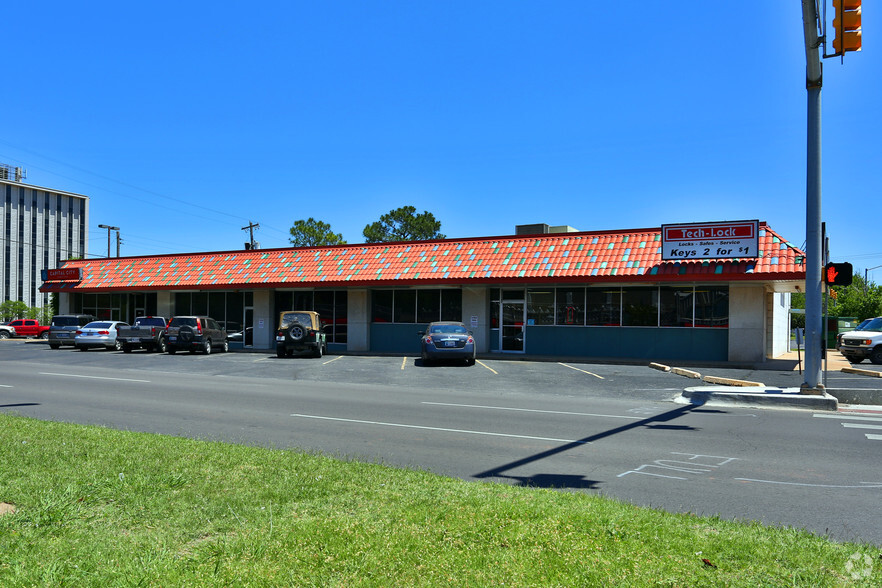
(834, 363)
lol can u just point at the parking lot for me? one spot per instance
(502, 375)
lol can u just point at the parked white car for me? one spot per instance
(99, 334)
(6, 332)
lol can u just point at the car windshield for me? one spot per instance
(98, 325)
(65, 321)
(874, 325)
(289, 318)
(183, 322)
(455, 329)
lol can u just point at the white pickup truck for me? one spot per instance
(856, 346)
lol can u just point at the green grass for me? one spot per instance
(99, 507)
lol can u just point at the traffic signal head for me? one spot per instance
(838, 274)
(847, 24)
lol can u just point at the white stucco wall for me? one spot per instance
(164, 302)
(474, 303)
(358, 321)
(264, 322)
(778, 337)
(747, 323)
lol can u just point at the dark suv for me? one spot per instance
(192, 333)
(64, 327)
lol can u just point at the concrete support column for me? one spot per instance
(358, 320)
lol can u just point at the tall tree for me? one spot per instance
(314, 233)
(403, 224)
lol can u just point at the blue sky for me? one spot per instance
(184, 121)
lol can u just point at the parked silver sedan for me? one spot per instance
(99, 334)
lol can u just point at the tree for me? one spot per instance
(858, 300)
(13, 309)
(314, 233)
(403, 224)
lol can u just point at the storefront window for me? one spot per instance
(640, 307)
(712, 306)
(604, 306)
(404, 306)
(428, 305)
(451, 305)
(540, 307)
(570, 306)
(675, 307)
(381, 306)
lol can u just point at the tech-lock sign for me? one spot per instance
(725, 240)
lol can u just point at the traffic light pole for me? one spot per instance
(814, 342)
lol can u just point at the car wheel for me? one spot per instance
(225, 347)
(206, 347)
(876, 355)
(171, 350)
(280, 352)
(117, 345)
(470, 361)
(4, 335)
(127, 349)
(44, 335)
(80, 347)
(163, 347)
(54, 346)
(318, 349)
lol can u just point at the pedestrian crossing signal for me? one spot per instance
(838, 274)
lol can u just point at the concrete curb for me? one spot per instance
(732, 382)
(860, 372)
(756, 397)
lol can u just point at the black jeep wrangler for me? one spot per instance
(300, 330)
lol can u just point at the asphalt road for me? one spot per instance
(609, 429)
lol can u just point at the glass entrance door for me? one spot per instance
(248, 327)
(512, 331)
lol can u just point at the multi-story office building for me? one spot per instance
(39, 229)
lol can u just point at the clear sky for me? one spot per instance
(184, 121)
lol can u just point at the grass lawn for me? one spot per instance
(89, 506)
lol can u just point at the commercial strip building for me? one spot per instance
(607, 294)
(39, 227)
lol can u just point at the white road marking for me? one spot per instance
(332, 360)
(581, 370)
(5, 386)
(93, 377)
(439, 429)
(866, 484)
(847, 416)
(860, 426)
(874, 437)
(481, 363)
(609, 416)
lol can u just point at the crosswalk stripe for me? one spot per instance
(849, 417)
(874, 437)
(860, 426)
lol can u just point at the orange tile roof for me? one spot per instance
(611, 256)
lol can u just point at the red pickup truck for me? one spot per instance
(29, 328)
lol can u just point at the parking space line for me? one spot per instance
(581, 370)
(588, 414)
(440, 429)
(403, 362)
(331, 360)
(478, 361)
(93, 377)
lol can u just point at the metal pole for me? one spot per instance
(814, 344)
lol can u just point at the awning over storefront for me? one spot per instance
(630, 256)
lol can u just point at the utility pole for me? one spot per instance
(814, 344)
(250, 228)
(110, 228)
